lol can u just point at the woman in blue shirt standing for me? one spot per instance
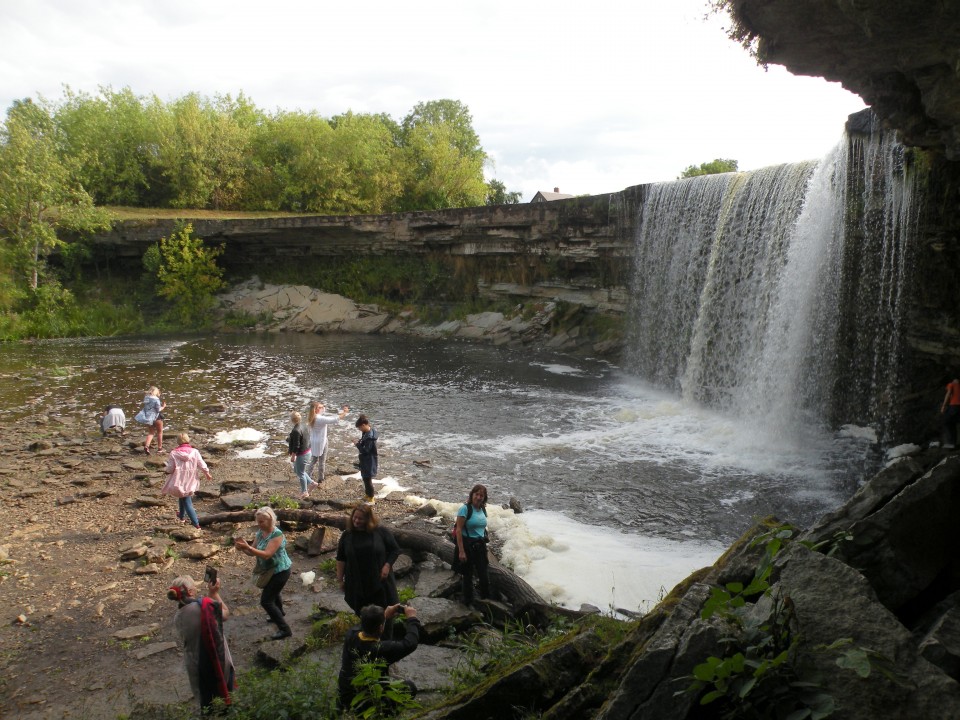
(270, 546)
(472, 543)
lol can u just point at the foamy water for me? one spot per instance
(570, 563)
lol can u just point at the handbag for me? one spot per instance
(262, 578)
(262, 573)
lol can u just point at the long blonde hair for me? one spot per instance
(314, 411)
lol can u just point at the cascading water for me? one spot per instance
(775, 295)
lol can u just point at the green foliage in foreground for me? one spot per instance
(714, 167)
(378, 696)
(305, 690)
(759, 678)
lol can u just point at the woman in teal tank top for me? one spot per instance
(270, 548)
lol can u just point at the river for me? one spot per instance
(626, 488)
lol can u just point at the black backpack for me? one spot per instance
(452, 533)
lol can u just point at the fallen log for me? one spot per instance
(307, 517)
(519, 595)
(514, 588)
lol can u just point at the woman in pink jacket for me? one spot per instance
(183, 466)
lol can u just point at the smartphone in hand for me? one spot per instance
(210, 574)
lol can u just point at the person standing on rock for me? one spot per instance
(183, 470)
(367, 448)
(471, 532)
(365, 557)
(950, 410)
(269, 547)
(318, 423)
(298, 449)
(199, 627)
(152, 416)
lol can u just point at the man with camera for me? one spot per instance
(373, 641)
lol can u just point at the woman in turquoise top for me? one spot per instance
(472, 543)
(270, 547)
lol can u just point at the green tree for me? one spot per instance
(114, 139)
(714, 167)
(443, 157)
(364, 164)
(187, 274)
(39, 194)
(288, 162)
(204, 150)
(497, 194)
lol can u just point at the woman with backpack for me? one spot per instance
(471, 532)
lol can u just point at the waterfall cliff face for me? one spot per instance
(776, 294)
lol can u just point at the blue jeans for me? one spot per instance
(300, 466)
(186, 508)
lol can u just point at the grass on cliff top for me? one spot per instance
(139, 213)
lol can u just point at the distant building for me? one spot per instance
(548, 196)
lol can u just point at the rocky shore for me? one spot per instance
(855, 617)
(298, 308)
(91, 547)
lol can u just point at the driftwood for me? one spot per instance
(518, 593)
(308, 517)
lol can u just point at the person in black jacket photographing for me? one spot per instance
(369, 643)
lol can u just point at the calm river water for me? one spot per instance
(629, 489)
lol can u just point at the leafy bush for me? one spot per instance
(328, 631)
(376, 695)
(187, 275)
(305, 691)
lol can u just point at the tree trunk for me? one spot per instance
(520, 596)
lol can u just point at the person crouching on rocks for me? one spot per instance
(113, 418)
(199, 627)
(183, 470)
(373, 641)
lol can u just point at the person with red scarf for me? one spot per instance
(206, 655)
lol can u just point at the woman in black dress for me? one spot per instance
(365, 557)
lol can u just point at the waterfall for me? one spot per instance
(776, 295)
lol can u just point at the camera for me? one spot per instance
(210, 574)
(402, 610)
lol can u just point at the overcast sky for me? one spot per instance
(590, 97)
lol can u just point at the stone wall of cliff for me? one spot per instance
(578, 250)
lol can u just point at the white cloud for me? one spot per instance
(589, 97)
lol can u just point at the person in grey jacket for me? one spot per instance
(298, 449)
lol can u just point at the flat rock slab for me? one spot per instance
(153, 649)
(138, 606)
(136, 631)
(236, 501)
(331, 603)
(150, 501)
(198, 550)
(428, 667)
